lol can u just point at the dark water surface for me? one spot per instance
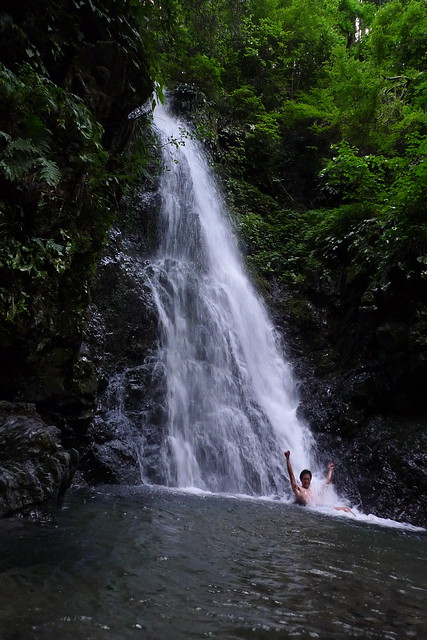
(154, 564)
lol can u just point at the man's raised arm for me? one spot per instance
(290, 472)
(331, 467)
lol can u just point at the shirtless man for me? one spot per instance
(303, 494)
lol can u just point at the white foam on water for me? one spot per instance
(355, 515)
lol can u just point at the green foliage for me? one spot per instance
(352, 177)
(20, 157)
(246, 105)
(205, 72)
(321, 108)
(275, 237)
(35, 170)
(351, 94)
(398, 37)
(373, 245)
(410, 185)
(311, 115)
(319, 113)
(43, 112)
(36, 256)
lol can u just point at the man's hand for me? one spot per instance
(287, 454)
(331, 468)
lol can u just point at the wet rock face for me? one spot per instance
(121, 341)
(35, 469)
(383, 468)
(390, 460)
(362, 392)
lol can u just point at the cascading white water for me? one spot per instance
(231, 398)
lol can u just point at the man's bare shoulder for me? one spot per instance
(302, 495)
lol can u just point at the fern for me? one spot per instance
(17, 159)
(35, 128)
(19, 144)
(49, 172)
(21, 156)
(5, 136)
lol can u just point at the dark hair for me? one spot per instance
(304, 472)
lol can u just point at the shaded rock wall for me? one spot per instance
(362, 383)
(121, 339)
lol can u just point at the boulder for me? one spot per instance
(35, 469)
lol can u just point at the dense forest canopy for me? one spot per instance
(320, 105)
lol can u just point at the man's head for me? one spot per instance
(305, 478)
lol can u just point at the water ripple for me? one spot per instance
(146, 563)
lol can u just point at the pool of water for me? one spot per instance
(125, 563)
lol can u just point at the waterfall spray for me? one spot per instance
(231, 399)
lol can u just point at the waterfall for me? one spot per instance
(231, 400)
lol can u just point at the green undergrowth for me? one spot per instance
(53, 169)
(359, 238)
